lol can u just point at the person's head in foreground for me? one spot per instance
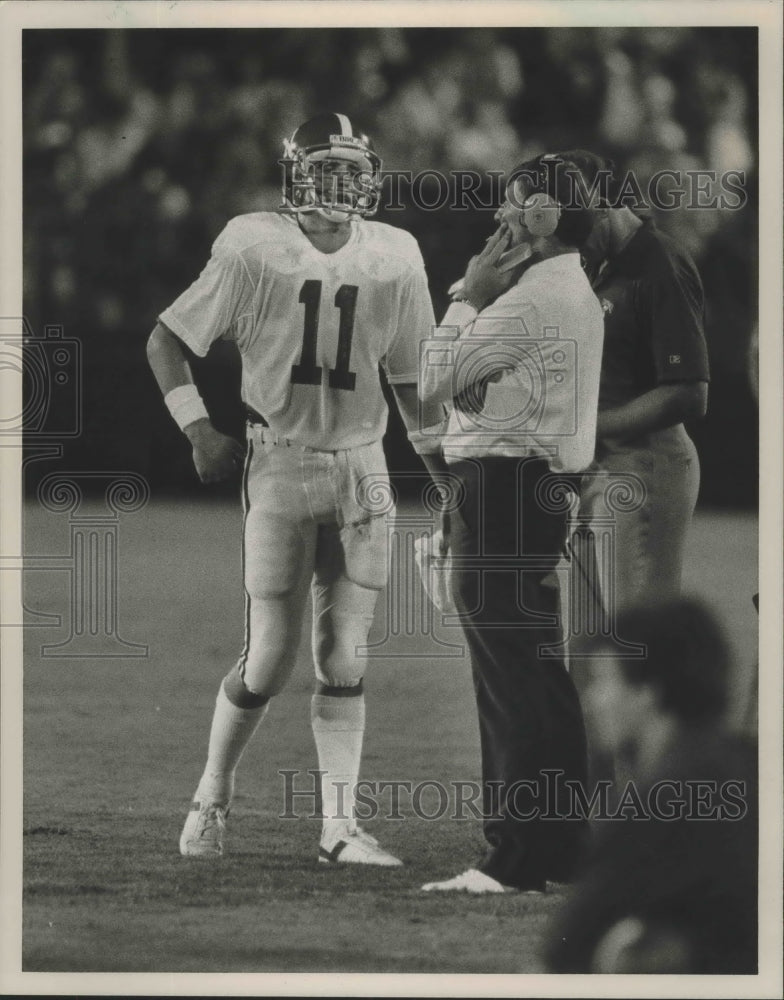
(675, 678)
(673, 888)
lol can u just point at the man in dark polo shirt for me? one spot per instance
(654, 377)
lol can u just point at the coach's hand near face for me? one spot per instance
(483, 281)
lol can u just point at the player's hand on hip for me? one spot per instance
(483, 281)
(216, 456)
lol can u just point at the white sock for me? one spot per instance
(338, 728)
(232, 729)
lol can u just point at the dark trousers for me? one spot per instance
(506, 539)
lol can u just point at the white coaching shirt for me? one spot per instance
(312, 328)
(547, 331)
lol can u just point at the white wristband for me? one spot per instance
(185, 405)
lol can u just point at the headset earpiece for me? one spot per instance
(540, 214)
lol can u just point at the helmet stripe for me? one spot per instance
(345, 125)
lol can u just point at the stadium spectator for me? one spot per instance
(436, 99)
(671, 883)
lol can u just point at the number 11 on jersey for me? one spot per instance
(307, 372)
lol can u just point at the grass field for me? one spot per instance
(113, 749)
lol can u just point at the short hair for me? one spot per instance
(686, 661)
(553, 174)
(597, 171)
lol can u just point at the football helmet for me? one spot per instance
(330, 168)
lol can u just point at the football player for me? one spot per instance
(316, 298)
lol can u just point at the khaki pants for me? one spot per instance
(638, 500)
(662, 471)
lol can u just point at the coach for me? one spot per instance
(654, 376)
(522, 378)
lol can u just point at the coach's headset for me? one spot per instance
(550, 207)
(541, 214)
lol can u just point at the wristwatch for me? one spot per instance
(461, 297)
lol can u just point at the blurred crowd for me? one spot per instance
(140, 145)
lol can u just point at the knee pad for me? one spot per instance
(272, 638)
(336, 644)
(238, 693)
(262, 673)
(339, 672)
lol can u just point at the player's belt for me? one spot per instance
(254, 417)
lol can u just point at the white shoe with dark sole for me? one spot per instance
(202, 835)
(355, 847)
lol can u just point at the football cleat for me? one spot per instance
(355, 847)
(474, 882)
(330, 168)
(202, 835)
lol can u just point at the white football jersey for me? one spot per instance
(312, 328)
